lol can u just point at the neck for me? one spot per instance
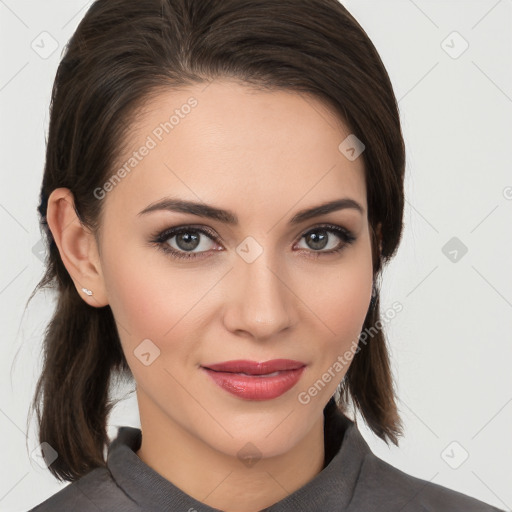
(223, 481)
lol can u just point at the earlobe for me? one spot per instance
(77, 247)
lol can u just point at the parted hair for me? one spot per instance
(124, 51)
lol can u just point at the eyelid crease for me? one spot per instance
(160, 239)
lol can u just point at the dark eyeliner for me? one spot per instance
(160, 238)
(346, 236)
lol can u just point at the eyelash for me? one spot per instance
(160, 239)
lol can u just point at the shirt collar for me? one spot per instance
(333, 486)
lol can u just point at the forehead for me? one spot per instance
(225, 142)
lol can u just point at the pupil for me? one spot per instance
(187, 241)
(319, 242)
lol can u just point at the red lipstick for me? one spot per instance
(256, 381)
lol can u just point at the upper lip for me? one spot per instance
(255, 368)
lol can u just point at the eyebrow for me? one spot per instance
(228, 217)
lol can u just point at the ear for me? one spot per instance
(77, 246)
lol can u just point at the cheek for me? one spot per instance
(154, 299)
(342, 297)
(150, 300)
(340, 302)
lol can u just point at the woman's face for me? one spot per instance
(254, 288)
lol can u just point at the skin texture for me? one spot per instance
(264, 156)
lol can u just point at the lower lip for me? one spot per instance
(254, 387)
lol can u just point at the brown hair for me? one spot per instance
(122, 52)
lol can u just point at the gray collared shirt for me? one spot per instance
(353, 479)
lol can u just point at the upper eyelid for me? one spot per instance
(170, 232)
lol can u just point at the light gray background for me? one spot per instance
(451, 345)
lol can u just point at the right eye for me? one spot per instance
(187, 239)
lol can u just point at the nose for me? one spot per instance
(260, 302)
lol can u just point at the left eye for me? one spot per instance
(188, 238)
(319, 238)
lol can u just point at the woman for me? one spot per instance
(223, 185)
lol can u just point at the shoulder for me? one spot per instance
(388, 488)
(92, 492)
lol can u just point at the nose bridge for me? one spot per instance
(262, 300)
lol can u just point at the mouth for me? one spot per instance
(258, 381)
(270, 368)
(273, 374)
